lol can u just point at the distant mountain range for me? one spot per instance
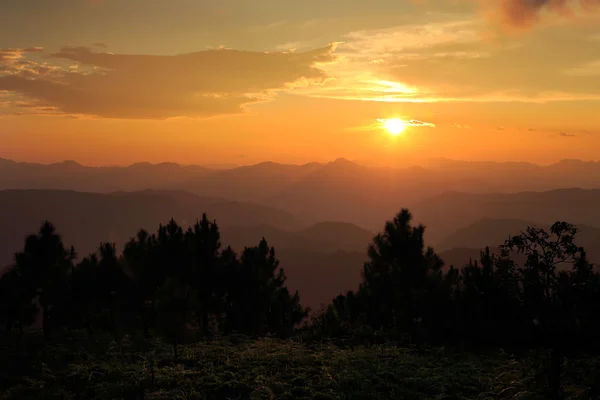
(340, 190)
(328, 254)
(85, 219)
(321, 259)
(446, 213)
(466, 243)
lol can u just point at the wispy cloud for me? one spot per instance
(366, 59)
(591, 68)
(414, 122)
(201, 84)
(420, 63)
(379, 124)
(461, 126)
(397, 40)
(410, 122)
(566, 134)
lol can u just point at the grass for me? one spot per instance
(239, 368)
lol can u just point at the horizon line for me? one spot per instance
(231, 166)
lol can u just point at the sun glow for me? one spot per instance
(394, 126)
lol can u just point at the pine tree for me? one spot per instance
(397, 279)
(44, 266)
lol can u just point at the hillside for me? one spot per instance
(339, 236)
(466, 243)
(86, 219)
(309, 256)
(70, 175)
(448, 212)
(340, 190)
(321, 260)
(485, 232)
(323, 237)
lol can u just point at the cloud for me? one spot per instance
(565, 134)
(9, 56)
(378, 124)
(369, 60)
(414, 122)
(200, 84)
(18, 62)
(100, 45)
(591, 68)
(526, 13)
(399, 39)
(416, 63)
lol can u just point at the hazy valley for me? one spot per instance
(320, 218)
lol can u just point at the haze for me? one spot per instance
(238, 83)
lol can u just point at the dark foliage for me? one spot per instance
(174, 283)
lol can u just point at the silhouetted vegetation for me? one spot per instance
(180, 286)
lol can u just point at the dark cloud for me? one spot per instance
(100, 45)
(205, 83)
(525, 13)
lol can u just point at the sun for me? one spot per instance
(394, 126)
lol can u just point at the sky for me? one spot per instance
(114, 82)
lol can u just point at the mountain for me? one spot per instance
(485, 232)
(336, 191)
(248, 183)
(69, 175)
(446, 213)
(318, 259)
(466, 243)
(86, 219)
(239, 237)
(321, 260)
(342, 236)
(319, 277)
(323, 237)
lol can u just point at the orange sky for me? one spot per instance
(108, 82)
